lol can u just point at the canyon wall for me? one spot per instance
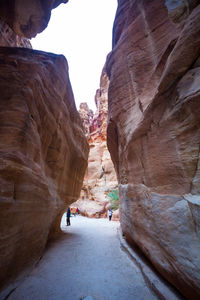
(8, 38)
(43, 153)
(27, 17)
(154, 133)
(100, 177)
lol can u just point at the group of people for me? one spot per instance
(68, 215)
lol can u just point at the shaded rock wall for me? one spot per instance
(100, 177)
(43, 149)
(8, 38)
(27, 17)
(154, 133)
(43, 154)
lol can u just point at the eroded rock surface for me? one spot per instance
(179, 10)
(154, 134)
(8, 38)
(43, 154)
(27, 17)
(100, 176)
(87, 116)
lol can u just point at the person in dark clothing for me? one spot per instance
(110, 214)
(68, 216)
(77, 212)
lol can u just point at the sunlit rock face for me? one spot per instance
(43, 154)
(86, 115)
(27, 17)
(100, 176)
(154, 134)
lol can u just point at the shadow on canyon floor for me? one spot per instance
(139, 257)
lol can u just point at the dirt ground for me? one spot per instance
(87, 260)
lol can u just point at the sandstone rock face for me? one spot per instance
(87, 116)
(27, 17)
(8, 38)
(98, 126)
(43, 154)
(154, 134)
(100, 176)
(179, 10)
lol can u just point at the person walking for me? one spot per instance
(77, 211)
(110, 214)
(68, 214)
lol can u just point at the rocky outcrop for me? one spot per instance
(86, 115)
(8, 38)
(98, 125)
(100, 176)
(43, 154)
(154, 133)
(27, 18)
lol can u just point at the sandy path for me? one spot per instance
(86, 261)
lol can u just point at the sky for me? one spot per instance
(81, 30)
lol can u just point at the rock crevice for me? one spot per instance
(100, 178)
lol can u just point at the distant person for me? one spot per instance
(110, 214)
(68, 216)
(77, 211)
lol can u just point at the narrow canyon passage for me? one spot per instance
(147, 121)
(88, 261)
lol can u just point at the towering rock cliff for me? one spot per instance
(154, 133)
(43, 153)
(100, 177)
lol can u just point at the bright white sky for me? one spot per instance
(82, 31)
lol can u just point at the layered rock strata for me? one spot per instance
(154, 133)
(43, 150)
(100, 176)
(43, 154)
